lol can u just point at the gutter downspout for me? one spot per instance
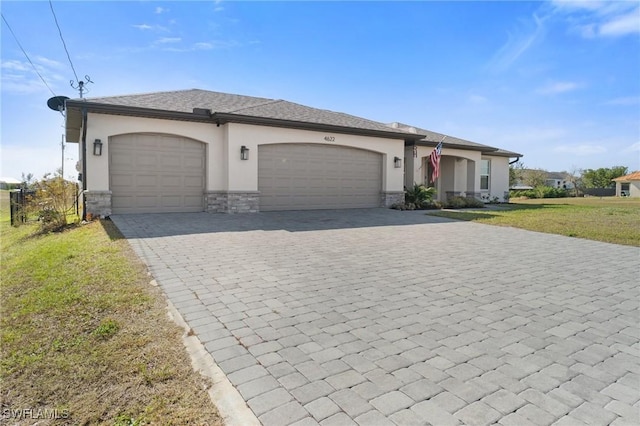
(514, 161)
(84, 162)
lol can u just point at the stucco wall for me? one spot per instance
(102, 126)
(225, 170)
(243, 175)
(499, 183)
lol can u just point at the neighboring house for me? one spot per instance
(558, 180)
(9, 183)
(196, 150)
(628, 186)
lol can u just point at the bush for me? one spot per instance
(458, 202)
(418, 197)
(540, 192)
(52, 200)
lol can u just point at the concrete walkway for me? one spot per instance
(380, 317)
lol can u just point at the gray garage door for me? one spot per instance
(314, 176)
(156, 173)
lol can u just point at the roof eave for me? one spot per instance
(223, 118)
(445, 144)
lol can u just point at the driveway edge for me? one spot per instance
(231, 406)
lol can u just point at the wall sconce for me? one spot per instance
(397, 162)
(97, 147)
(244, 153)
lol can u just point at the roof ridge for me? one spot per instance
(268, 102)
(146, 93)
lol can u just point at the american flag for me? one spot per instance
(434, 159)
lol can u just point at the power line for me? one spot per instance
(63, 43)
(25, 54)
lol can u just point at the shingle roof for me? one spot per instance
(187, 100)
(628, 178)
(452, 141)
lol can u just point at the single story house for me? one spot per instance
(628, 186)
(9, 183)
(558, 180)
(197, 150)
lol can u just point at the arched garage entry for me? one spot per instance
(315, 176)
(156, 173)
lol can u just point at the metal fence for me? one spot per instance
(21, 202)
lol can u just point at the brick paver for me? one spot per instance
(386, 317)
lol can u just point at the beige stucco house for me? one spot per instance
(196, 150)
(629, 185)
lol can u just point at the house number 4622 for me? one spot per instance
(330, 138)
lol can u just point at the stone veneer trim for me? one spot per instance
(98, 203)
(232, 201)
(390, 198)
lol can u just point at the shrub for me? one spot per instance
(540, 192)
(52, 200)
(458, 202)
(418, 197)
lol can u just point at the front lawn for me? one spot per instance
(608, 219)
(85, 338)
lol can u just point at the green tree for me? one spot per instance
(575, 178)
(515, 173)
(602, 177)
(27, 180)
(534, 177)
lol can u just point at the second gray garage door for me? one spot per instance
(153, 173)
(315, 176)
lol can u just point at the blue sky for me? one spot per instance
(556, 81)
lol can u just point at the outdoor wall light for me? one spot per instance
(397, 162)
(244, 153)
(97, 147)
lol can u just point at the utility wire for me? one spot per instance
(63, 43)
(25, 54)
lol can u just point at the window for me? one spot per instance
(485, 174)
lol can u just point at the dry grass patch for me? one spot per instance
(83, 335)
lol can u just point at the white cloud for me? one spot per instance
(20, 76)
(558, 87)
(160, 10)
(625, 100)
(622, 25)
(633, 148)
(48, 62)
(142, 26)
(165, 40)
(477, 99)
(205, 45)
(15, 65)
(593, 19)
(526, 36)
(581, 150)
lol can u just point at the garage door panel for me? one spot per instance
(314, 176)
(156, 173)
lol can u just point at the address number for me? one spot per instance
(330, 138)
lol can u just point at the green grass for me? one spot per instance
(83, 332)
(612, 220)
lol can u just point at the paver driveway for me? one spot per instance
(377, 317)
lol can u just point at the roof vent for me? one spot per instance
(202, 111)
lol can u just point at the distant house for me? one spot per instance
(558, 180)
(628, 186)
(9, 183)
(196, 150)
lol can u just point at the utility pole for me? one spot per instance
(62, 146)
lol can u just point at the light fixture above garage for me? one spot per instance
(97, 147)
(244, 153)
(397, 162)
